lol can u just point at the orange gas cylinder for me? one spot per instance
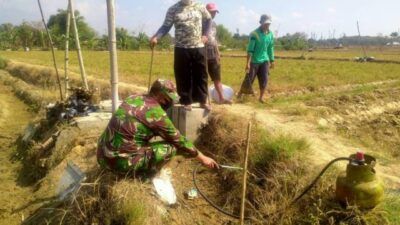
(359, 185)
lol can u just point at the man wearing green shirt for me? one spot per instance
(260, 58)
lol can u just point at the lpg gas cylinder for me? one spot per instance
(359, 185)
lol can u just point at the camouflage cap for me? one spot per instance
(166, 87)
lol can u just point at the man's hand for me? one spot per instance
(207, 161)
(218, 59)
(204, 39)
(247, 68)
(153, 42)
(272, 65)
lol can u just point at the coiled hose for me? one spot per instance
(306, 190)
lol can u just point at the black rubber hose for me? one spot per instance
(306, 190)
(211, 202)
(309, 187)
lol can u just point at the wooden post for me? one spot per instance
(151, 69)
(52, 51)
(208, 74)
(246, 158)
(362, 45)
(67, 51)
(78, 46)
(113, 53)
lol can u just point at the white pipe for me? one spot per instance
(67, 51)
(113, 53)
(78, 46)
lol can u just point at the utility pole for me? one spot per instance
(78, 46)
(113, 53)
(67, 51)
(52, 50)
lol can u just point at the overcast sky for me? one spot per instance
(322, 17)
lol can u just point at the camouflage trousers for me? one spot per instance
(144, 159)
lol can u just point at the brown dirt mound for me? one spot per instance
(45, 77)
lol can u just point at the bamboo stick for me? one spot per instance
(244, 187)
(208, 75)
(113, 53)
(78, 46)
(151, 69)
(66, 75)
(52, 51)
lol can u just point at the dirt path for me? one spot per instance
(325, 146)
(13, 118)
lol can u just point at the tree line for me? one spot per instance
(33, 36)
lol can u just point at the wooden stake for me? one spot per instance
(208, 75)
(151, 69)
(246, 158)
(113, 53)
(78, 46)
(52, 51)
(67, 51)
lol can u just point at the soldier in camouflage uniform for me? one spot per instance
(125, 144)
(189, 63)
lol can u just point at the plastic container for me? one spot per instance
(227, 92)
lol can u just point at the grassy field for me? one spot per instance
(384, 53)
(289, 74)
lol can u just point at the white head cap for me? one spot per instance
(265, 19)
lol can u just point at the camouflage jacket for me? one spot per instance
(188, 21)
(135, 123)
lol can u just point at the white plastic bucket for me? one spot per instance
(227, 92)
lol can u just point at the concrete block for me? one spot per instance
(188, 122)
(106, 105)
(96, 120)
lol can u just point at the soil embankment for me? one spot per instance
(14, 116)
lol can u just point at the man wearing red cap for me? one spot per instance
(213, 55)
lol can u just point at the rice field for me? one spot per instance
(382, 53)
(288, 75)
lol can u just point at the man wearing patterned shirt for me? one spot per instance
(188, 18)
(125, 145)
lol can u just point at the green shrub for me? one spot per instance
(134, 212)
(269, 148)
(3, 63)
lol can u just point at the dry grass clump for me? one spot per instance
(45, 78)
(106, 199)
(34, 97)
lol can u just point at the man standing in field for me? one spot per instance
(191, 78)
(213, 55)
(260, 58)
(125, 144)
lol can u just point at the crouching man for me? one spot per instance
(125, 144)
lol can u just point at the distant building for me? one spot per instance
(394, 43)
(339, 46)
